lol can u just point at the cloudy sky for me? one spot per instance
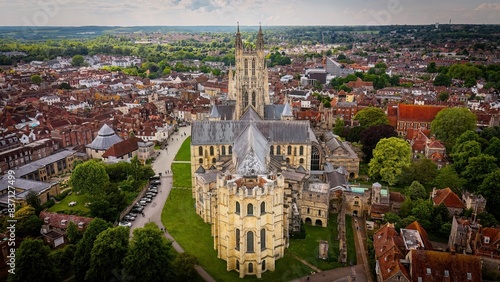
(246, 12)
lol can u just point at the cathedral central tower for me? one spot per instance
(248, 82)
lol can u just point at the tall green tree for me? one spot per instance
(107, 254)
(73, 234)
(184, 264)
(422, 170)
(489, 189)
(33, 263)
(36, 79)
(449, 178)
(390, 157)
(477, 169)
(461, 157)
(371, 116)
(416, 191)
(149, 256)
(493, 149)
(442, 80)
(85, 245)
(338, 129)
(450, 123)
(371, 135)
(77, 60)
(33, 200)
(62, 259)
(89, 177)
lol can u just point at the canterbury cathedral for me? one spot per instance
(258, 174)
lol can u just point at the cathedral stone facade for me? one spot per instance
(251, 162)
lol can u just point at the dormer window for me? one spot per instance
(80, 225)
(46, 220)
(469, 276)
(64, 221)
(446, 273)
(429, 271)
(486, 239)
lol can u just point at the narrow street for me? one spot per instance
(152, 211)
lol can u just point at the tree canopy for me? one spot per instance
(371, 135)
(450, 123)
(107, 254)
(77, 60)
(390, 157)
(85, 245)
(149, 256)
(371, 116)
(33, 263)
(89, 177)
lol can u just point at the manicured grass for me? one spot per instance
(349, 234)
(184, 153)
(182, 175)
(63, 204)
(308, 248)
(194, 236)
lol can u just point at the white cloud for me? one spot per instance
(488, 7)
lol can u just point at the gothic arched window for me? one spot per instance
(254, 99)
(211, 150)
(230, 150)
(289, 151)
(271, 150)
(237, 241)
(200, 151)
(263, 239)
(245, 99)
(237, 207)
(315, 158)
(253, 66)
(250, 209)
(223, 150)
(246, 66)
(250, 248)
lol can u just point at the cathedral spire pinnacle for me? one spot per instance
(260, 39)
(239, 43)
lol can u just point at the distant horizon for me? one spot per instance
(125, 13)
(257, 25)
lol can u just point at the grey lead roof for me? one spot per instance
(226, 112)
(226, 131)
(273, 112)
(250, 114)
(287, 111)
(250, 151)
(214, 113)
(106, 137)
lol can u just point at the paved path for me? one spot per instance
(360, 242)
(152, 211)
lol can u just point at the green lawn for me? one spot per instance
(63, 204)
(194, 236)
(184, 153)
(308, 248)
(182, 175)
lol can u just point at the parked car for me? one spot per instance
(152, 191)
(138, 210)
(143, 202)
(125, 223)
(132, 213)
(129, 218)
(149, 200)
(150, 194)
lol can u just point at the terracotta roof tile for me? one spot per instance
(442, 266)
(422, 113)
(448, 198)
